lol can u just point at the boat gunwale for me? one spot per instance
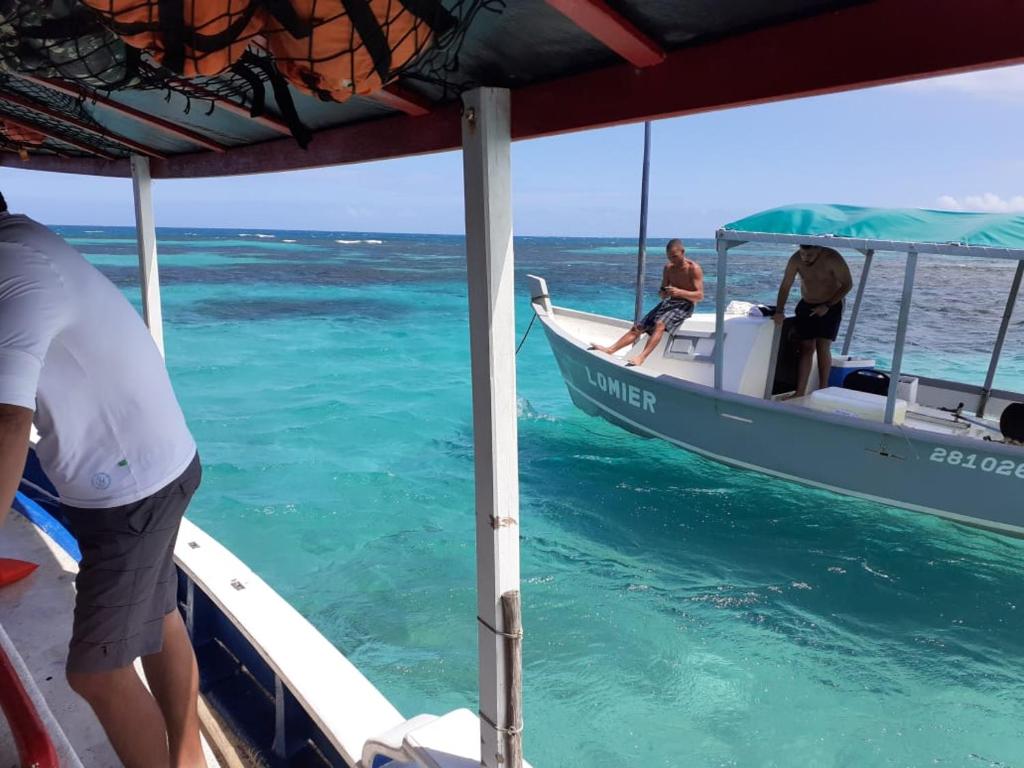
(357, 686)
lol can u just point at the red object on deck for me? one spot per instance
(35, 749)
(12, 570)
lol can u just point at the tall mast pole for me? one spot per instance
(641, 256)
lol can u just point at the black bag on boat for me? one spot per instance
(1011, 423)
(866, 380)
(63, 39)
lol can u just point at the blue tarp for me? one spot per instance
(903, 225)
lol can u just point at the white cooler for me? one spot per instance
(848, 402)
(906, 389)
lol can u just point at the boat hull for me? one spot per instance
(966, 480)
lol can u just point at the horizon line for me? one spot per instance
(256, 230)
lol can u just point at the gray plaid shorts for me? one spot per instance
(671, 312)
(127, 582)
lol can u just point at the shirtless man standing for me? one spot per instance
(824, 281)
(682, 286)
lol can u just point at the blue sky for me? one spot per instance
(950, 142)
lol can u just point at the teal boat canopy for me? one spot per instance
(885, 229)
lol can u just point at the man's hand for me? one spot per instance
(820, 311)
(780, 316)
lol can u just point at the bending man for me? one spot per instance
(76, 359)
(824, 281)
(682, 286)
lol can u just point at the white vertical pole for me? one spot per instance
(901, 335)
(997, 351)
(723, 249)
(486, 145)
(145, 230)
(869, 255)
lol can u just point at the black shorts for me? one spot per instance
(126, 582)
(810, 326)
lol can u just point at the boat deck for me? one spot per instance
(35, 627)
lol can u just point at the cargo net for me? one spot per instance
(65, 40)
(239, 50)
(41, 120)
(330, 49)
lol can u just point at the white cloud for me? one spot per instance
(1003, 84)
(987, 203)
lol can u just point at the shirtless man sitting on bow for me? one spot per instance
(824, 281)
(682, 286)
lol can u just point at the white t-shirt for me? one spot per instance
(75, 351)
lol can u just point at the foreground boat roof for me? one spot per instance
(570, 64)
(991, 235)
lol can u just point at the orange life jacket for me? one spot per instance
(208, 38)
(352, 48)
(19, 135)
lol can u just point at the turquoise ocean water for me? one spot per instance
(678, 612)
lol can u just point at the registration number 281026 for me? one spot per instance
(1004, 467)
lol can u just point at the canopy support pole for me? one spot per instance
(486, 142)
(997, 351)
(869, 255)
(901, 335)
(145, 232)
(722, 246)
(641, 256)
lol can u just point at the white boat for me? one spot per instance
(715, 385)
(276, 692)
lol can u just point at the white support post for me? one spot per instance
(901, 335)
(720, 294)
(869, 256)
(145, 229)
(997, 350)
(486, 145)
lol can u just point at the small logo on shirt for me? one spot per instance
(101, 481)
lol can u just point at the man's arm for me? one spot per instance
(15, 428)
(697, 294)
(787, 283)
(665, 290)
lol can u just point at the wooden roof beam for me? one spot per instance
(613, 29)
(42, 129)
(43, 109)
(158, 124)
(401, 98)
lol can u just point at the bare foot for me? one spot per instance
(635, 361)
(790, 396)
(600, 348)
